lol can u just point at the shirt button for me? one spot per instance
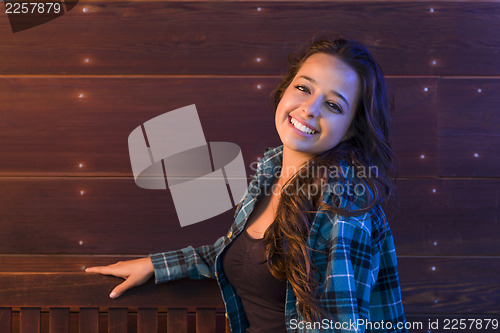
(229, 234)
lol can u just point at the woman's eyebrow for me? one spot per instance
(336, 93)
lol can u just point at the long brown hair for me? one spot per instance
(367, 145)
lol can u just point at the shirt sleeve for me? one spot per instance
(361, 290)
(385, 302)
(348, 280)
(189, 262)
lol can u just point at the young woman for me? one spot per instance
(310, 249)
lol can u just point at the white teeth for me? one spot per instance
(301, 127)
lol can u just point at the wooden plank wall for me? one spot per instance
(72, 90)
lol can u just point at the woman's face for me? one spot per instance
(316, 110)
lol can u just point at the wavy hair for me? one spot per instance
(367, 145)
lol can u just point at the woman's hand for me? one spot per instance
(135, 272)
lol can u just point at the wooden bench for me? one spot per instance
(53, 294)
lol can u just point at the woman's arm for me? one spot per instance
(362, 284)
(348, 280)
(189, 262)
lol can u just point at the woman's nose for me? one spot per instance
(311, 107)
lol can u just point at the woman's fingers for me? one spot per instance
(135, 272)
(114, 270)
(121, 288)
(97, 269)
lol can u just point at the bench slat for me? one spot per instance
(177, 320)
(92, 290)
(117, 320)
(5, 320)
(30, 320)
(147, 320)
(205, 320)
(59, 320)
(89, 320)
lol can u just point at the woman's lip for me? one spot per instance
(301, 122)
(297, 130)
(308, 135)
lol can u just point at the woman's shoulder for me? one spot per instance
(348, 188)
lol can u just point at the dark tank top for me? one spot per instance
(263, 296)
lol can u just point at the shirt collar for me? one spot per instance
(269, 167)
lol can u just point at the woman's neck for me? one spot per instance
(292, 161)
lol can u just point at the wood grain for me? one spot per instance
(205, 320)
(30, 320)
(147, 320)
(177, 320)
(164, 37)
(117, 320)
(66, 130)
(89, 320)
(90, 290)
(5, 319)
(429, 283)
(71, 94)
(446, 217)
(117, 217)
(469, 128)
(59, 320)
(442, 285)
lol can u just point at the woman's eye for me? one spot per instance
(334, 106)
(302, 88)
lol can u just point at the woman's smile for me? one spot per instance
(301, 128)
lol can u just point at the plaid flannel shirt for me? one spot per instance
(359, 278)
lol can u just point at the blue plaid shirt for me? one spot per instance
(359, 284)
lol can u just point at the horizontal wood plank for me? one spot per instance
(437, 285)
(92, 290)
(434, 216)
(56, 263)
(469, 128)
(450, 285)
(88, 135)
(114, 216)
(66, 130)
(93, 130)
(189, 37)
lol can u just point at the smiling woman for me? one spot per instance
(296, 254)
(317, 108)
